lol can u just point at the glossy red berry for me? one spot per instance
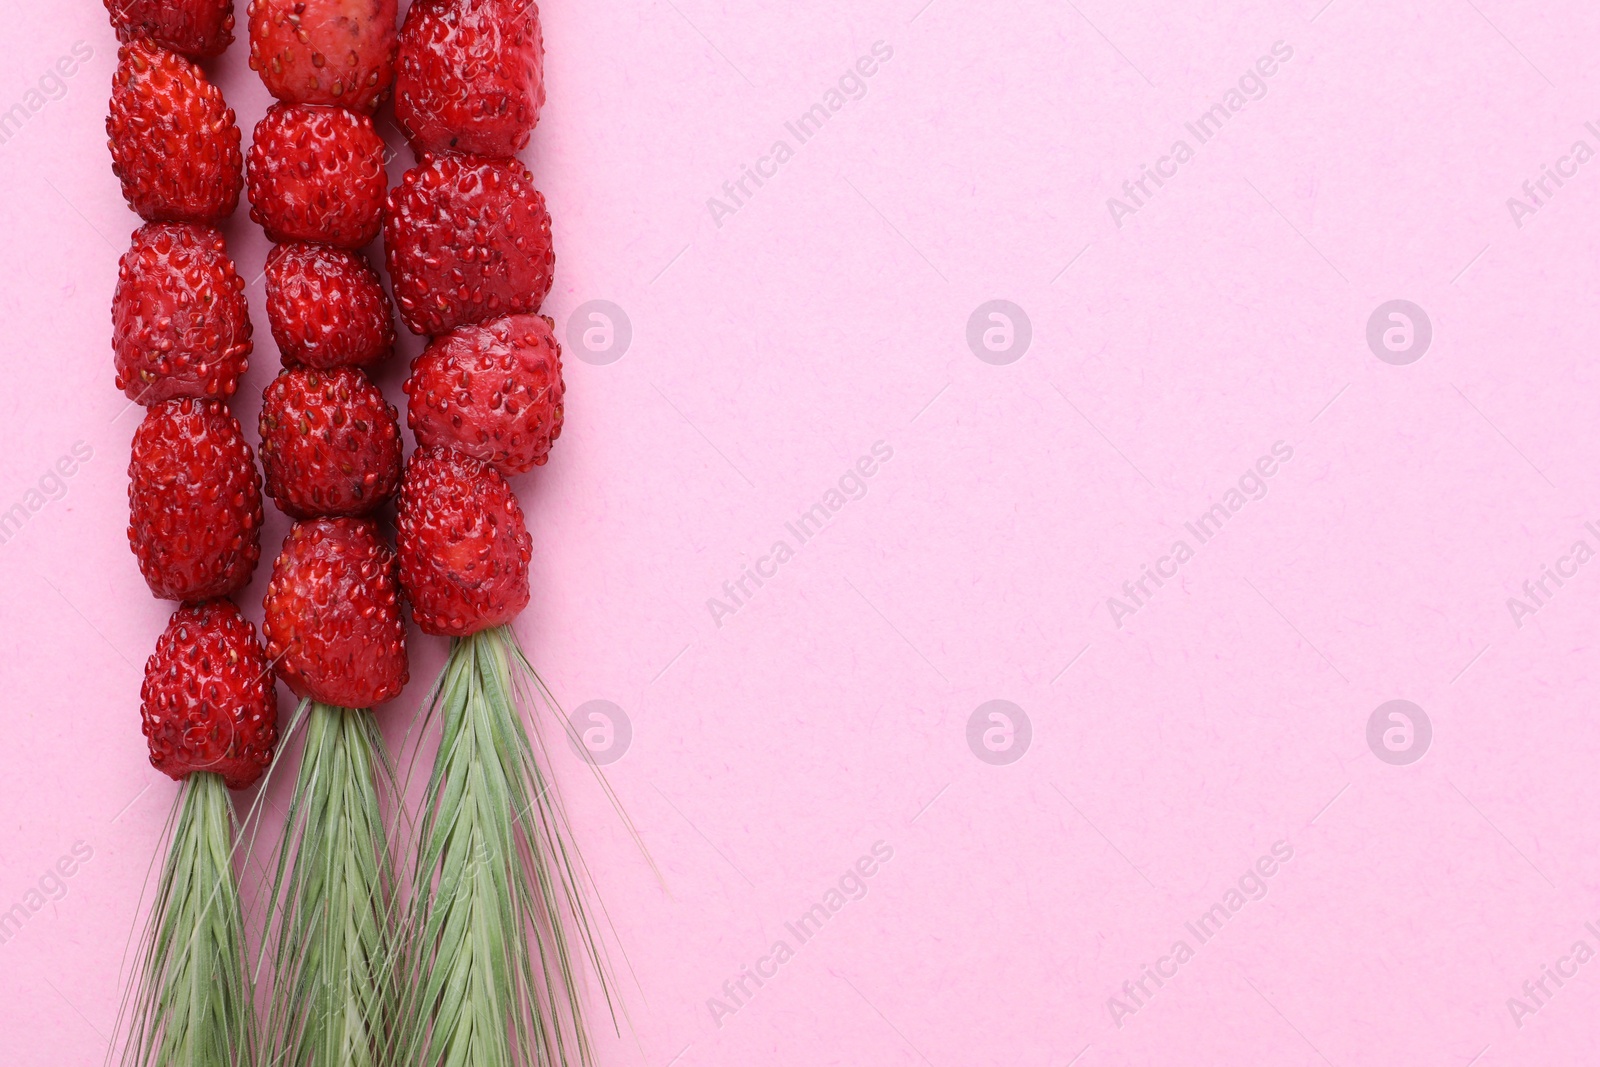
(330, 442)
(194, 501)
(333, 624)
(316, 174)
(174, 143)
(464, 550)
(492, 392)
(200, 29)
(471, 76)
(327, 307)
(467, 240)
(209, 704)
(180, 321)
(324, 51)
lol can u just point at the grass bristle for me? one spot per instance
(191, 1003)
(500, 930)
(332, 902)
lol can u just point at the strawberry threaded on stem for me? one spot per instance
(464, 551)
(174, 143)
(492, 392)
(501, 927)
(315, 173)
(200, 29)
(194, 501)
(331, 449)
(327, 307)
(324, 51)
(182, 338)
(467, 240)
(471, 76)
(330, 443)
(333, 623)
(180, 321)
(208, 700)
(210, 716)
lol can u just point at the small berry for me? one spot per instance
(194, 501)
(333, 624)
(471, 76)
(467, 240)
(200, 29)
(327, 307)
(324, 51)
(492, 392)
(174, 143)
(464, 551)
(316, 174)
(180, 321)
(208, 703)
(330, 442)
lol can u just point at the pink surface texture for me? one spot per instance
(1192, 380)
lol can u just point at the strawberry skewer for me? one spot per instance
(501, 925)
(181, 334)
(333, 620)
(330, 447)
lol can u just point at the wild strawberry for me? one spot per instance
(327, 307)
(467, 240)
(332, 622)
(464, 551)
(174, 143)
(492, 392)
(316, 174)
(194, 501)
(201, 29)
(180, 321)
(208, 701)
(330, 443)
(471, 76)
(324, 51)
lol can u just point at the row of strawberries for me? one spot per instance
(469, 251)
(468, 248)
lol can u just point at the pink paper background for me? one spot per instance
(829, 312)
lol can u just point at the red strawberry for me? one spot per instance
(333, 623)
(471, 76)
(174, 143)
(180, 321)
(194, 501)
(464, 551)
(467, 240)
(492, 392)
(198, 28)
(324, 51)
(327, 307)
(330, 443)
(209, 704)
(316, 174)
